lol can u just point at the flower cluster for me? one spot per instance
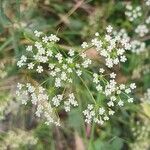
(141, 30)
(141, 133)
(115, 95)
(111, 46)
(45, 57)
(39, 98)
(67, 103)
(14, 140)
(59, 67)
(137, 46)
(133, 13)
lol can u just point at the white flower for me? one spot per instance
(147, 20)
(101, 111)
(79, 72)
(84, 45)
(63, 76)
(29, 48)
(107, 38)
(37, 33)
(59, 57)
(83, 55)
(45, 39)
(112, 75)
(53, 38)
(130, 100)
(101, 70)
(90, 106)
(19, 86)
(99, 87)
(71, 52)
(120, 103)
(23, 58)
(39, 69)
(113, 98)
(38, 45)
(56, 100)
(141, 30)
(96, 34)
(111, 112)
(30, 66)
(109, 29)
(110, 103)
(128, 90)
(132, 86)
(69, 60)
(49, 53)
(137, 46)
(51, 66)
(133, 13)
(58, 82)
(20, 64)
(122, 86)
(123, 58)
(106, 118)
(147, 2)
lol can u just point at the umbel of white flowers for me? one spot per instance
(43, 58)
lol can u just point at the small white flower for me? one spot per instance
(90, 106)
(29, 48)
(39, 69)
(71, 52)
(147, 2)
(30, 66)
(20, 64)
(132, 86)
(123, 58)
(49, 53)
(45, 39)
(128, 90)
(112, 75)
(53, 38)
(79, 72)
(106, 118)
(96, 34)
(99, 87)
(23, 58)
(101, 111)
(84, 45)
(130, 100)
(111, 112)
(109, 29)
(120, 103)
(19, 86)
(37, 33)
(101, 70)
(141, 30)
(122, 86)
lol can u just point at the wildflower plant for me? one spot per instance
(52, 72)
(139, 18)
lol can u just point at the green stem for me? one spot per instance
(88, 89)
(91, 137)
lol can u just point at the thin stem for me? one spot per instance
(91, 136)
(87, 89)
